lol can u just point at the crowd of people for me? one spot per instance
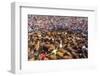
(57, 37)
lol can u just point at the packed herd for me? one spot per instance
(57, 37)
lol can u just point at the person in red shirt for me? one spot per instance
(42, 56)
